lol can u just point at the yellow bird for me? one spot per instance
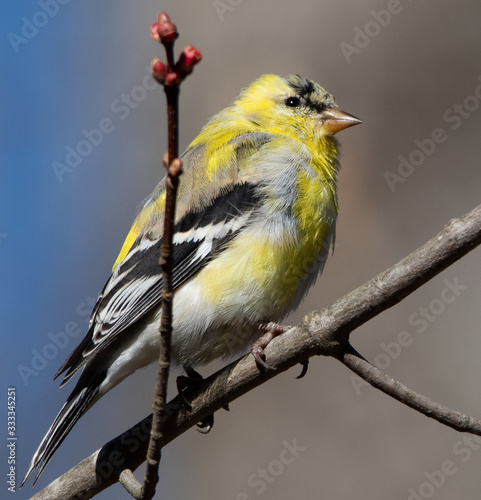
(255, 220)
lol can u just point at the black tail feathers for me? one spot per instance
(75, 406)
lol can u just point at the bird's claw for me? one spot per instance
(305, 366)
(190, 381)
(271, 330)
(205, 425)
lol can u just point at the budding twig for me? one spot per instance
(170, 77)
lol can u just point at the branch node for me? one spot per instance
(131, 484)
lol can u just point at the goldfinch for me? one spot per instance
(256, 215)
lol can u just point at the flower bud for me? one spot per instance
(163, 18)
(159, 70)
(154, 32)
(171, 79)
(175, 168)
(189, 57)
(167, 30)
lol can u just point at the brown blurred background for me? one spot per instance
(404, 80)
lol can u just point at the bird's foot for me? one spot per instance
(191, 380)
(271, 330)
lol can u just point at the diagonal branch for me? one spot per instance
(321, 333)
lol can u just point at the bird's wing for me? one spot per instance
(135, 287)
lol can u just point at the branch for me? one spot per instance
(170, 77)
(458, 421)
(321, 333)
(167, 37)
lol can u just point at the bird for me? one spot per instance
(255, 221)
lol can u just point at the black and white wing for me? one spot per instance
(136, 286)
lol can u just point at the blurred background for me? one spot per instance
(407, 69)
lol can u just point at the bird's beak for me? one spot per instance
(334, 120)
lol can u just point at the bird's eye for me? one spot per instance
(293, 102)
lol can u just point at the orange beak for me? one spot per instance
(334, 120)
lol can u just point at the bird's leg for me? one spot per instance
(191, 380)
(271, 330)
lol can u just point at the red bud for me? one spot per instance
(154, 32)
(189, 57)
(163, 18)
(171, 78)
(158, 68)
(167, 32)
(175, 168)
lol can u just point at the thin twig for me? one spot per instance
(458, 421)
(167, 261)
(170, 77)
(321, 333)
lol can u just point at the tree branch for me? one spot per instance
(321, 333)
(458, 421)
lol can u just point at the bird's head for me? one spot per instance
(293, 105)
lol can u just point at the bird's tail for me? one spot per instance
(76, 405)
